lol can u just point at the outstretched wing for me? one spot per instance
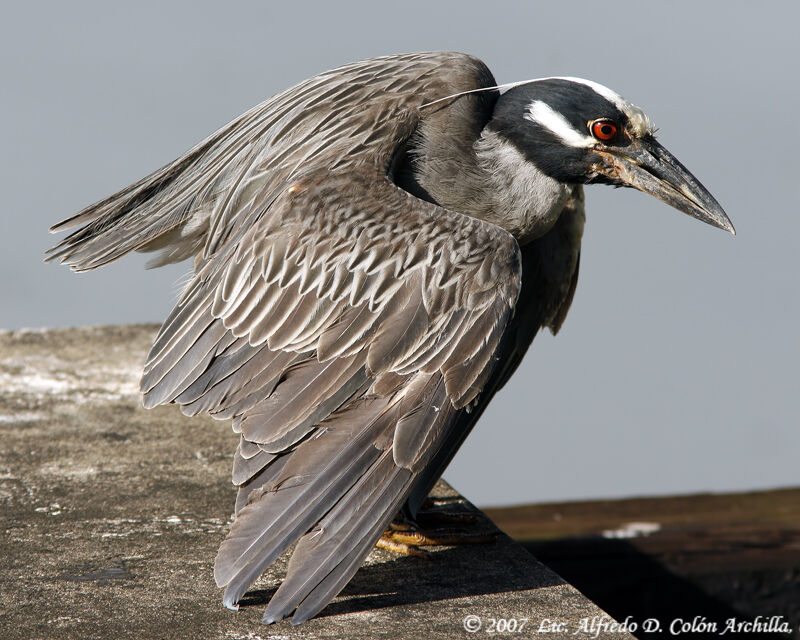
(342, 330)
(343, 324)
(190, 206)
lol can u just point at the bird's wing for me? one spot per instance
(342, 329)
(192, 205)
(340, 322)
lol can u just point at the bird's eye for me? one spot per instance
(604, 130)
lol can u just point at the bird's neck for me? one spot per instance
(465, 166)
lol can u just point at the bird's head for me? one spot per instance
(580, 132)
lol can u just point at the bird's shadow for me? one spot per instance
(451, 572)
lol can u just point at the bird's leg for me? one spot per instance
(433, 527)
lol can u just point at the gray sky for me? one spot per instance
(677, 368)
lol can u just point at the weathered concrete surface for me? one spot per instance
(110, 518)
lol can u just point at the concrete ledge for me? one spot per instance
(110, 517)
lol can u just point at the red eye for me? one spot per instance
(604, 130)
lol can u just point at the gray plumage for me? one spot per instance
(371, 264)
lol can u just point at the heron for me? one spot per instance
(374, 251)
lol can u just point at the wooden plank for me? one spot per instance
(718, 556)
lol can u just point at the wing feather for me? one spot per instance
(246, 467)
(254, 474)
(245, 391)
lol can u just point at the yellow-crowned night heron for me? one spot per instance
(374, 250)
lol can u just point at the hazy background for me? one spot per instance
(677, 368)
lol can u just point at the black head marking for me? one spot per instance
(566, 158)
(577, 103)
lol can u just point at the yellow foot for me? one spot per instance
(405, 537)
(387, 542)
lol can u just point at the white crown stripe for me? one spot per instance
(639, 122)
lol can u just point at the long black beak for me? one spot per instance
(649, 167)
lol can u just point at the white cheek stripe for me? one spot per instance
(544, 115)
